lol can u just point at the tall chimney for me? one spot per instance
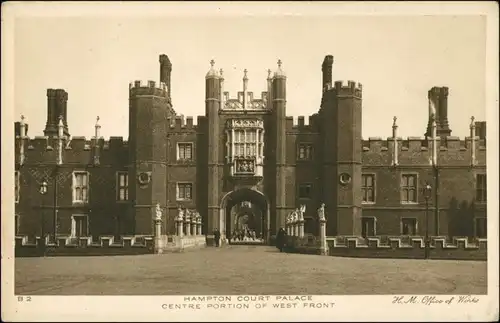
(327, 71)
(57, 106)
(480, 129)
(62, 109)
(165, 72)
(444, 128)
(438, 111)
(51, 125)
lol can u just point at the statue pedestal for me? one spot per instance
(158, 247)
(180, 229)
(194, 229)
(322, 238)
(301, 229)
(198, 226)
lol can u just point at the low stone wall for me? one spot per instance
(84, 246)
(408, 247)
(304, 245)
(166, 244)
(106, 245)
(457, 248)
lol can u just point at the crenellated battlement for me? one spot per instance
(300, 123)
(423, 143)
(180, 123)
(347, 88)
(67, 245)
(418, 151)
(413, 247)
(77, 149)
(396, 242)
(41, 142)
(28, 246)
(138, 88)
(101, 241)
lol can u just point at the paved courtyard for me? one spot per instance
(245, 270)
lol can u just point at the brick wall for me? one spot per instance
(334, 133)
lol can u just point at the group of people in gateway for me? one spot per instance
(245, 234)
(250, 235)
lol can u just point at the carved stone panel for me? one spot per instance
(245, 166)
(245, 123)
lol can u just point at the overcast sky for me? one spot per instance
(397, 59)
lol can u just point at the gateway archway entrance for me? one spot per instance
(245, 215)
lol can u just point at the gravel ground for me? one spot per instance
(245, 270)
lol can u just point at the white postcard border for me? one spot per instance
(151, 308)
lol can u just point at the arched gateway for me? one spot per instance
(245, 215)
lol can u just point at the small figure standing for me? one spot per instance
(217, 237)
(281, 239)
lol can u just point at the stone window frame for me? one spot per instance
(310, 185)
(484, 196)
(178, 150)
(240, 143)
(120, 187)
(73, 224)
(402, 220)
(251, 148)
(405, 202)
(74, 186)
(177, 191)
(305, 145)
(374, 188)
(374, 224)
(17, 186)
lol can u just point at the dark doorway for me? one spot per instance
(246, 215)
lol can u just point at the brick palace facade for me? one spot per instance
(247, 153)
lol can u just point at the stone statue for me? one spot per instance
(180, 214)
(301, 213)
(321, 212)
(158, 211)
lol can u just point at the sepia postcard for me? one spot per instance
(250, 161)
